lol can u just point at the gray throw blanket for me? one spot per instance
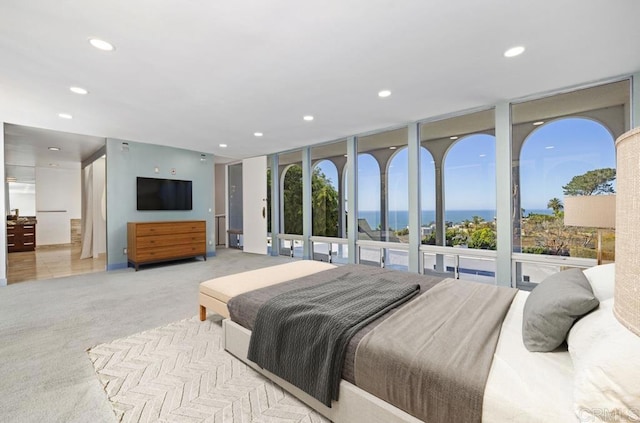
(301, 335)
(433, 356)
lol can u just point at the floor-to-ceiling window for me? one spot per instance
(462, 151)
(290, 177)
(563, 147)
(383, 210)
(427, 196)
(470, 192)
(328, 163)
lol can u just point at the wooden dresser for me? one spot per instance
(152, 242)
(21, 237)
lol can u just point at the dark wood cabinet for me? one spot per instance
(21, 237)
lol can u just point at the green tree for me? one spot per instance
(556, 205)
(484, 238)
(292, 201)
(598, 181)
(477, 221)
(324, 205)
(324, 198)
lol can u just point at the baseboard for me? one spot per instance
(3, 281)
(117, 266)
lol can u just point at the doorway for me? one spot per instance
(44, 202)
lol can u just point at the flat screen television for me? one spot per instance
(163, 194)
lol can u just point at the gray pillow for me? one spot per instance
(552, 308)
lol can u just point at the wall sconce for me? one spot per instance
(203, 158)
(125, 147)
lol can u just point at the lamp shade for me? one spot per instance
(626, 306)
(592, 211)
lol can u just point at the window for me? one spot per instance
(427, 195)
(549, 163)
(290, 166)
(383, 211)
(327, 194)
(470, 192)
(558, 144)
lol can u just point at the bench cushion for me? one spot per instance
(223, 288)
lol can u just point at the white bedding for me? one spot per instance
(539, 388)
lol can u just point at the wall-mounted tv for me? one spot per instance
(163, 194)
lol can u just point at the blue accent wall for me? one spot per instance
(140, 159)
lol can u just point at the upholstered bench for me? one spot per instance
(215, 293)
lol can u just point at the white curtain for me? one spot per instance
(87, 212)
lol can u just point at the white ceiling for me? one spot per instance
(196, 73)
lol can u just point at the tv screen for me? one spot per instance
(163, 194)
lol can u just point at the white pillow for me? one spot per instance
(602, 279)
(606, 359)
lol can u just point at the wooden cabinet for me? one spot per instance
(21, 237)
(152, 242)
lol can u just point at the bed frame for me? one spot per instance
(355, 405)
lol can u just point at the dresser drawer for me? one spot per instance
(168, 228)
(167, 252)
(170, 240)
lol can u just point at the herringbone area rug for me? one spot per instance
(180, 373)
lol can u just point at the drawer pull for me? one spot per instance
(28, 243)
(10, 235)
(11, 245)
(28, 234)
(28, 226)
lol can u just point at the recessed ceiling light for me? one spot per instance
(222, 145)
(392, 147)
(453, 138)
(549, 147)
(483, 155)
(538, 123)
(65, 116)
(101, 44)
(53, 164)
(54, 148)
(78, 90)
(514, 51)
(257, 134)
(308, 118)
(384, 93)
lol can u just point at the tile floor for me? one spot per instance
(50, 262)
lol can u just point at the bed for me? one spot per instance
(521, 386)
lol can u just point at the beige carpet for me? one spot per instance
(180, 373)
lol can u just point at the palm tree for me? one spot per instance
(556, 205)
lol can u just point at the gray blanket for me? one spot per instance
(432, 357)
(301, 335)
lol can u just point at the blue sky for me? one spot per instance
(550, 157)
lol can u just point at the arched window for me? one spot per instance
(561, 158)
(292, 200)
(427, 195)
(368, 196)
(325, 199)
(398, 196)
(470, 192)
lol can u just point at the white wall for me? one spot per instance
(99, 208)
(3, 212)
(58, 200)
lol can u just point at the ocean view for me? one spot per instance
(399, 219)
